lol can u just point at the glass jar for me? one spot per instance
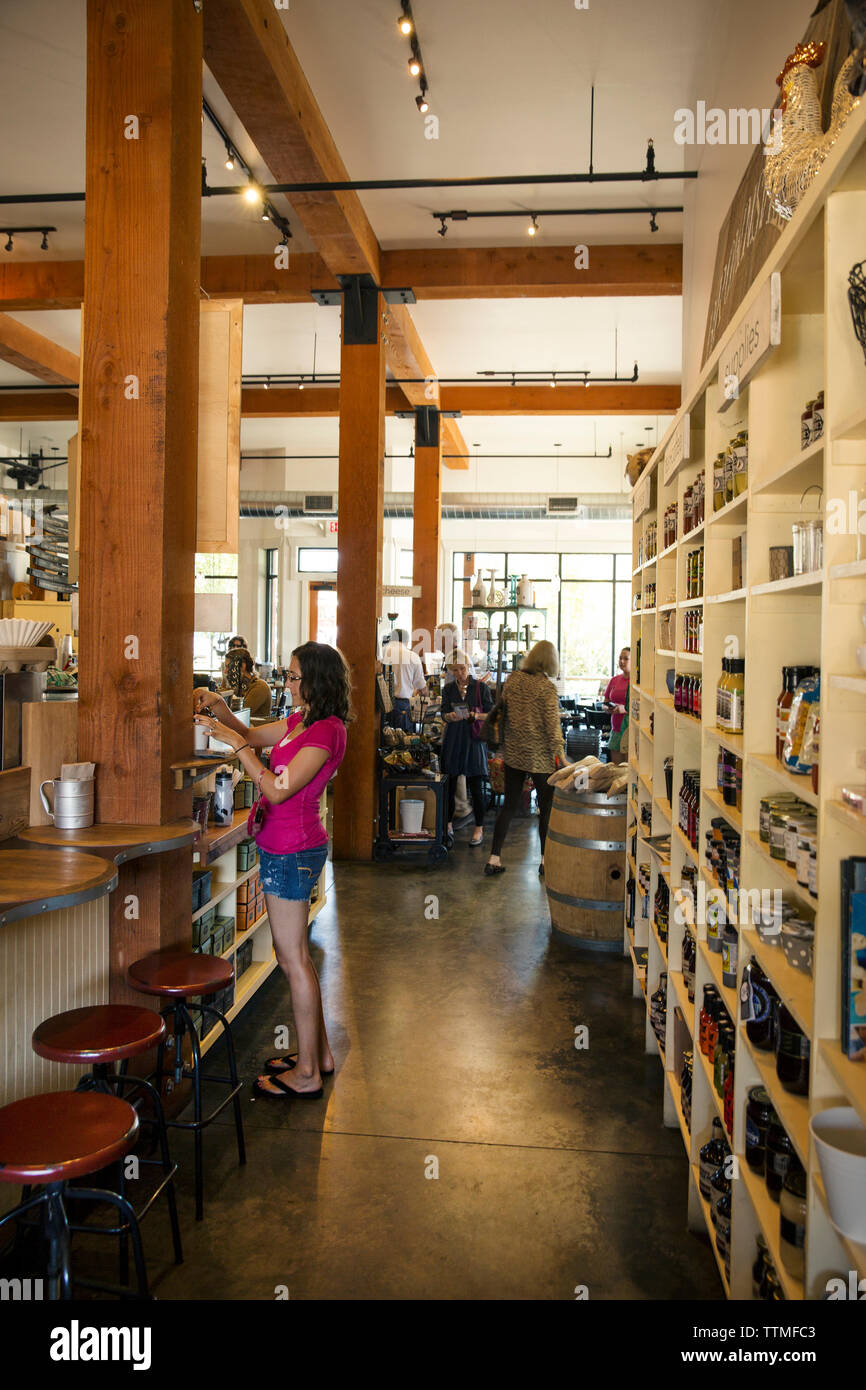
(712, 1156)
(759, 1116)
(730, 944)
(792, 1054)
(760, 1028)
(723, 1231)
(780, 1152)
(719, 1186)
(778, 831)
(792, 1219)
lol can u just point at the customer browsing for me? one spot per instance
(408, 674)
(307, 749)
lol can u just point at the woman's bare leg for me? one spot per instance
(289, 926)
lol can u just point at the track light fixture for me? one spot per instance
(415, 60)
(421, 101)
(654, 226)
(443, 229)
(406, 25)
(10, 232)
(443, 218)
(252, 193)
(532, 229)
(405, 22)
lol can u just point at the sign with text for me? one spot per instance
(678, 449)
(642, 497)
(754, 338)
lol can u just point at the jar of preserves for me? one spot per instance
(792, 1054)
(760, 1026)
(792, 1219)
(711, 1156)
(780, 1151)
(759, 1116)
(720, 1185)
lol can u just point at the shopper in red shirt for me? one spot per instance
(615, 698)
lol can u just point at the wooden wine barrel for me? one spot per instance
(584, 869)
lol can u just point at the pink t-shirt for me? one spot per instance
(295, 824)
(616, 693)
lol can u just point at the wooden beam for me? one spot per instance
(249, 54)
(42, 285)
(458, 272)
(506, 272)
(23, 406)
(406, 357)
(453, 443)
(563, 400)
(23, 347)
(139, 407)
(283, 402)
(359, 582)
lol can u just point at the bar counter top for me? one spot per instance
(114, 842)
(33, 881)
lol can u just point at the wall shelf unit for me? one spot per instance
(813, 618)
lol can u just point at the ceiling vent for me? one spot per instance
(319, 504)
(563, 506)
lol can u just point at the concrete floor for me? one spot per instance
(454, 1042)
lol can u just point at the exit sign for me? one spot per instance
(333, 527)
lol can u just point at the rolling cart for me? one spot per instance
(389, 838)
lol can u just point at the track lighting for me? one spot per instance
(415, 60)
(404, 21)
(553, 380)
(44, 245)
(422, 103)
(266, 383)
(8, 246)
(532, 229)
(654, 226)
(230, 157)
(443, 229)
(406, 25)
(252, 194)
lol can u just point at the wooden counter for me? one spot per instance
(33, 881)
(115, 842)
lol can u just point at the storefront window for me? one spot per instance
(214, 574)
(272, 603)
(317, 560)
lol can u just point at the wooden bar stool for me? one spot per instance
(47, 1140)
(181, 976)
(101, 1036)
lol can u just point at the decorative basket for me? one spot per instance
(857, 301)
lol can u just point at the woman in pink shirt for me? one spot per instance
(615, 698)
(306, 750)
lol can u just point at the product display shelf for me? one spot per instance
(785, 872)
(801, 786)
(640, 975)
(710, 1080)
(680, 989)
(661, 945)
(714, 964)
(224, 891)
(847, 816)
(793, 1111)
(793, 987)
(812, 618)
(767, 1212)
(711, 1230)
(677, 1098)
(850, 1076)
(645, 783)
(730, 813)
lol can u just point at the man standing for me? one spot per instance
(408, 675)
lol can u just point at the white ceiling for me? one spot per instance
(510, 85)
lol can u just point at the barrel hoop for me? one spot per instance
(578, 843)
(582, 808)
(584, 902)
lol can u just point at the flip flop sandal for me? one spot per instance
(276, 1068)
(491, 869)
(259, 1090)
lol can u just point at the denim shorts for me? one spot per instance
(292, 876)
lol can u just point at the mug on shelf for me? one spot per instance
(71, 806)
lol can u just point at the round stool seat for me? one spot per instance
(63, 1134)
(99, 1033)
(180, 973)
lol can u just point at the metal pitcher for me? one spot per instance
(71, 806)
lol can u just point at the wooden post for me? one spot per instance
(139, 408)
(359, 563)
(426, 526)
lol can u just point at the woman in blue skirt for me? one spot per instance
(465, 699)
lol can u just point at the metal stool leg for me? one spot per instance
(57, 1235)
(236, 1102)
(130, 1221)
(188, 1023)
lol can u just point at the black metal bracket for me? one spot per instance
(426, 427)
(360, 309)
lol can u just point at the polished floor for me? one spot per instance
(454, 1041)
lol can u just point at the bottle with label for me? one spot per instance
(711, 1157)
(737, 685)
(719, 483)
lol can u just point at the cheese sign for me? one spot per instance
(679, 448)
(642, 497)
(756, 335)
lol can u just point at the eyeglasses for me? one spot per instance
(291, 677)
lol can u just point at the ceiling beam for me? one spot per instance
(23, 347)
(517, 272)
(493, 272)
(287, 402)
(248, 52)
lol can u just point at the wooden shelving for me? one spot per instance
(711, 1230)
(812, 619)
(682, 995)
(767, 1212)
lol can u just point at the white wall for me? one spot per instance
(745, 51)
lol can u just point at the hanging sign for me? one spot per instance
(401, 590)
(754, 338)
(678, 449)
(642, 497)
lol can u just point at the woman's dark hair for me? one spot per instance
(325, 684)
(238, 642)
